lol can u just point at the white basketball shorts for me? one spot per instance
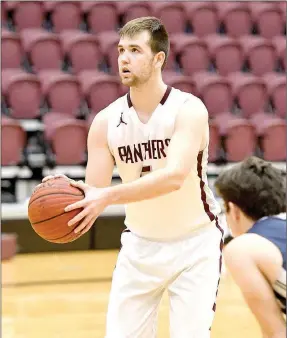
(189, 269)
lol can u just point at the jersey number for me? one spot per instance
(145, 170)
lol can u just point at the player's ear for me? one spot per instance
(234, 210)
(159, 59)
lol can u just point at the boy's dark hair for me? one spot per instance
(159, 41)
(255, 186)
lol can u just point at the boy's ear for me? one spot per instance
(235, 210)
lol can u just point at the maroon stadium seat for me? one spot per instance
(99, 89)
(10, 5)
(261, 119)
(215, 92)
(276, 86)
(14, 139)
(28, 14)
(279, 42)
(283, 9)
(202, 16)
(193, 53)
(109, 42)
(3, 14)
(221, 121)
(268, 18)
(240, 140)
(51, 118)
(133, 9)
(250, 93)
(181, 82)
(101, 16)
(239, 136)
(22, 92)
(226, 53)
(11, 53)
(172, 14)
(43, 48)
(64, 14)
(272, 133)
(67, 139)
(236, 18)
(62, 91)
(82, 49)
(260, 53)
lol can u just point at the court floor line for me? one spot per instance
(56, 282)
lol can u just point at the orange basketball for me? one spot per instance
(46, 210)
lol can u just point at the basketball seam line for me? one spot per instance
(48, 219)
(53, 239)
(54, 193)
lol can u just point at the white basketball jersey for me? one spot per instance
(140, 148)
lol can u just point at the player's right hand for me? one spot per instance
(50, 177)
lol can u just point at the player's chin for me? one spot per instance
(127, 81)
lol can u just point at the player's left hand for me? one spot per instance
(93, 205)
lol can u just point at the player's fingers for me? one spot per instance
(47, 178)
(78, 217)
(82, 227)
(50, 177)
(88, 227)
(77, 205)
(79, 184)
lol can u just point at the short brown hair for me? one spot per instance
(159, 40)
(255, 186)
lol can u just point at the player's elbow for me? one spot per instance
(176, 180)
(279, 334)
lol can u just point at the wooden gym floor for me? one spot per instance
(65, 295)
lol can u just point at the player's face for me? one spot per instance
(135, 59)
(234, 219)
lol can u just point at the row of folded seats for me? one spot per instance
(64, 139)
(28, 96)
(201, 18)
(74, 51)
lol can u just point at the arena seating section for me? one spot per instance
(59, 67)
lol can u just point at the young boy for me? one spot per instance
(254, 195)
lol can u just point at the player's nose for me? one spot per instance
(123, 59)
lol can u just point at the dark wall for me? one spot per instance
(105, 234)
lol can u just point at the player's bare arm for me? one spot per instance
(100, 164)
(255, 270)
(185, 144)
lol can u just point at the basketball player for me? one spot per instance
(254, 196)
(158, 137)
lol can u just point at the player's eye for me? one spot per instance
(134, 50)
(121, 50)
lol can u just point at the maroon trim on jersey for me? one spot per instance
(211, 217)
(166, 95)
(220, 259)
(162, 101)
(202, 184)
(129, 100)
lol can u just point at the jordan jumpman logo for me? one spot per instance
(121, 120)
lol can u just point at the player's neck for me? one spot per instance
(146, 97)
(246, 223)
